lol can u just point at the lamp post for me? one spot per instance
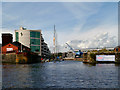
(21, 47)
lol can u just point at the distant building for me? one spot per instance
(6, 38)
(70, 54)
(32, 39)
(95, 49)
(14, 47)
(64, 54)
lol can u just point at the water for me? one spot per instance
(65, 74)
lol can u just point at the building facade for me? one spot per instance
(45, 52)
(29, 38)
(70, 54)
(6, 38)
(32, 39)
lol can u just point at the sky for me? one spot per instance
(80, 24)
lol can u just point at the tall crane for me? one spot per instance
(70, 47)
(76, 53)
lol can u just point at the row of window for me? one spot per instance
(35, 41)
(32, 34)
(32, 41)
(17, 37)
(35, 48)
(35, 34)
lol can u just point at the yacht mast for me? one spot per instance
(54, 42)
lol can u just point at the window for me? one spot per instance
(34, 34)
(17, 37)
(35, 48)
(21, 34)
(35, 41)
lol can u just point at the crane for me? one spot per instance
(77, 54)
(70, 48)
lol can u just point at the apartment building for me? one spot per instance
(32, 39)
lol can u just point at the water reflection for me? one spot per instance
(65, 74)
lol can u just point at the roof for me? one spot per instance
(18, 44)
(6, 34)
(25, 29)
(30, 30)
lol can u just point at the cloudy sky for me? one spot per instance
(81, 24)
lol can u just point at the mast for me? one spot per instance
(55, 43)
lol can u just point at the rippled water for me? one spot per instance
(65, 74)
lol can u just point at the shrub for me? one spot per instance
(93, 56)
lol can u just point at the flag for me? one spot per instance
(54, 36)
(54, 40)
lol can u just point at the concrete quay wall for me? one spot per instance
(20, 58)
(91, 57)
(9, 58)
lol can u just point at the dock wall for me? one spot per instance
(9, 58)
(20, 58)
(91, 57)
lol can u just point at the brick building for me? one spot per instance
(6, 38)
(14, 47)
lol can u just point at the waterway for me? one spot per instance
(65, 74)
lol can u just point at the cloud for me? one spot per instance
(103, 35)
(100, 41)
(82, 10)
(78, 35)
